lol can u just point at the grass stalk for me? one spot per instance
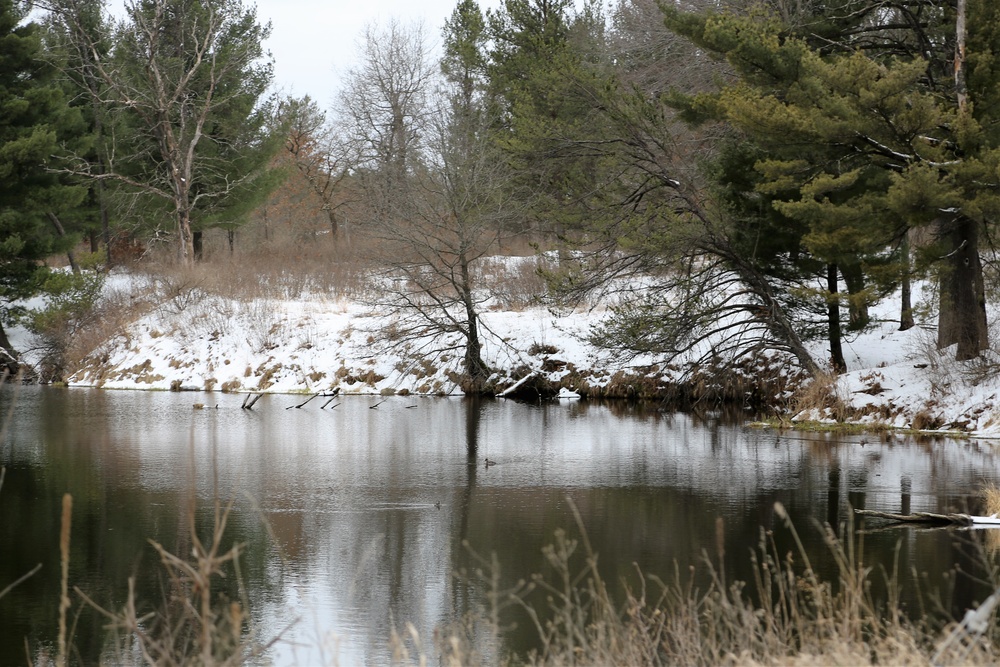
(64, 602)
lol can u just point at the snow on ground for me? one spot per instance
(916, 386)
(899, 378)
(316, 344)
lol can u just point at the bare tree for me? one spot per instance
(319, 154)
(384, 101)
(433, 231)
(183, 85)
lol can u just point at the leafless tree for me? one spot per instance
(319, 154)
(384, 104)
(432, 232)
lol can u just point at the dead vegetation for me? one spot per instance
(787, 615)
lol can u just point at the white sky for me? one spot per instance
(314, 42)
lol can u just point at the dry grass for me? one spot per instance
(798, 620)
(195, 624)
(515, 284)
(820, 394)
(991, 499)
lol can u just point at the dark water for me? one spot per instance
(354, 517)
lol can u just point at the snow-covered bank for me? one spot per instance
(317, 344)
(898, 378)
(309, 346)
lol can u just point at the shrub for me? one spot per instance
(70, 306)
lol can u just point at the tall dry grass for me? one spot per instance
(792, 618)
(195, 623)
(787, 615)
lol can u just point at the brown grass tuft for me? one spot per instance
(991, 499)
(820, 394)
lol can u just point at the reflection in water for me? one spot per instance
(355, 517)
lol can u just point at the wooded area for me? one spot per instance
(772, 168)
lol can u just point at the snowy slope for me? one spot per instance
(316, 344)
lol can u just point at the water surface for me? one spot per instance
(355, 518)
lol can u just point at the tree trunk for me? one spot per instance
(962, 315)
(475, 368)
(331, 215)
(905, 289)
(61, 231)
(961, 90)
(9, 364)
(197, 246)
(833, 320)
(777, 320)
(185, 245)
(105, 220)
(857, 302)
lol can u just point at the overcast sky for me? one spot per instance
(315, 41)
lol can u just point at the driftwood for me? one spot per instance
(514, 387)
(922, 517)
(324, 394)
(303, 402)
(248, 403)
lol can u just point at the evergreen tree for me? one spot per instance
(464, 61)
(184, 84)
(35, 120)
(543, 66)
(859, 113)
(73, 28)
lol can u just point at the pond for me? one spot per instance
(360, 517)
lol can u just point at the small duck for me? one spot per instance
(489, 462)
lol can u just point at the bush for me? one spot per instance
(70, 305)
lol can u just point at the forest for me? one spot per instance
(741, 179)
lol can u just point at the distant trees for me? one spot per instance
(320, 156)
(766, 165)
(385, 101)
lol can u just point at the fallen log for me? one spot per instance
(303, 402)
(248, 403)
(927, 517)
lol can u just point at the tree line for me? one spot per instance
(746, 175)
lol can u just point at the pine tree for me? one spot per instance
(543, 64)
(35, 120)
(78, 33)
(853, 117)
(184, 84)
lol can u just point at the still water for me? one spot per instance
(355, 518)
